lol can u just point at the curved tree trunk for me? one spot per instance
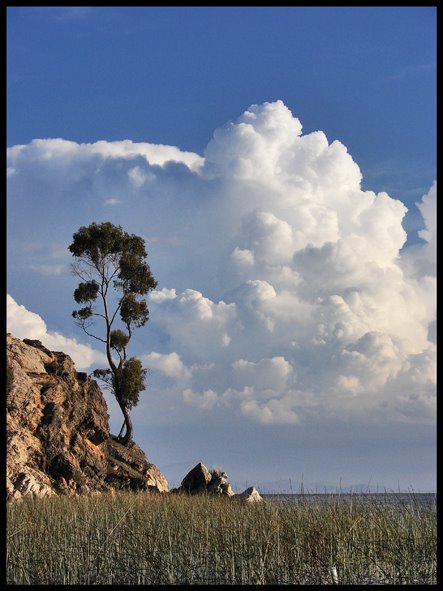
(127, 437)
(119, 436)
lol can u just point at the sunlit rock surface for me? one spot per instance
(58, 439)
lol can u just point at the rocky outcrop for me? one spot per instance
(128, 468)
(58, 439)
(202, 481)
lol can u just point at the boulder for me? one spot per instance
(200, 480)
(219, 484)
(196, 481)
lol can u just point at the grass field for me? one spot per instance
(149, 539)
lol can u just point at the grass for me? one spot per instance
(148, 539)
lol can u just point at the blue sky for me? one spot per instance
(236, 219)
(363, 75)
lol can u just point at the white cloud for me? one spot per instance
(57, 269)
(271, 239)
(286, 291)
(205, 401)
(162, 295)
(58, 149)
(278, 411)
(169, 364)
(420, 260)
(138, 177)
(112, 201)
(428, 209)
(243, 257)
(24, 324)
(195, 325)
(266, 374)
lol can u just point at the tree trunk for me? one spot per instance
(119, 436)
(127, 438)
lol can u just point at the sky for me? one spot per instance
(280, 163)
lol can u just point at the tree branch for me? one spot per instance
(91, 335)
(115, 313)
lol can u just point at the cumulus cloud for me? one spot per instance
(421, 260)
(267, 374)
(60, 150)
(24, 324)
(169, 364)
(275, 411)
(286, 291)
(205, 400)
(195, 325)
(428, 209)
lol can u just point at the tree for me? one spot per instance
(110, 262)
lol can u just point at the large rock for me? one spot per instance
(58, 439)
(196, 481)
(200, 480)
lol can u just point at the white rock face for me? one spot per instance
(250, 495)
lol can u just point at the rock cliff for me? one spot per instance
(58, 439)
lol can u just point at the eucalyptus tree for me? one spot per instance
(115, 277)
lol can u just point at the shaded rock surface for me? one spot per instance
(57, 425)
(200, 480)
(128, 468)
(196, 481)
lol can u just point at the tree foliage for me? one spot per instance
(114, 277)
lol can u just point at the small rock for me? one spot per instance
(250, 495)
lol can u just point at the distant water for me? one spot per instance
(417, 499)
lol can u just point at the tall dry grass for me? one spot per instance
(147, 539)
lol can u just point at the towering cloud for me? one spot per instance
(286, 291)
